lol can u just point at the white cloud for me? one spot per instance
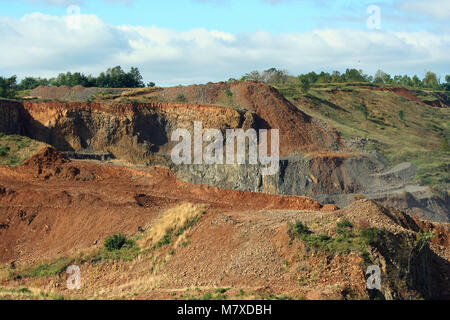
(66, 3)
(44, 45)
(439, 9)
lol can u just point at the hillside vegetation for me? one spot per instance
(14, 149)
(399, 127)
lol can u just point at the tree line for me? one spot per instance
(117, 78)
(275, 76)
(112, 78)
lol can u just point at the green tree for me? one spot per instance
(305, 85)
(30, 83)
(416, 81)
(336, 76)
(353, 75)
(252, 76)
(136, 80)
(8, 87)
(431, 80)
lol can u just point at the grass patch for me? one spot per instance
(14, 149)
(346, 240)
(172, 224)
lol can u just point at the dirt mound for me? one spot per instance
(47, 158)
(298, 131)
(376, 215)
(76, 93)
(50, 164)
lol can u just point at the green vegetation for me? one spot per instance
(424, 237)
(8, 87)
(116, 247)
(173, 233)
(277, 77)
(181, 98)
(117, 242)
(346, 240)
(14, 149)
(399, 129)
(113, 78)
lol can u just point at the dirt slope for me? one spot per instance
(51, 205)
(242, 241)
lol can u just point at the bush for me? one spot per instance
(117, 242)
(4, 150)
(299, 229)
(181, 98)
(370, 236)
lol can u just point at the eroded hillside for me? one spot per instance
(398, 163)
(200, 242)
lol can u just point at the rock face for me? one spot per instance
(312, 162)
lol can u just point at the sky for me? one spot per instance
(196, 41)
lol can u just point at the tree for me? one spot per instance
(30, 83)
(379, 76)
(136, 78)
(431, 80)
(416, 81)
(353, 75)
(382, 77)
(447, 84)
(305, 85)
(324, 77)
(274, 76)
(252, 76)
(336, 76)
(8, 87)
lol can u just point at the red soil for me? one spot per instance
(51, 206)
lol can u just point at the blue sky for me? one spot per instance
(192, 41)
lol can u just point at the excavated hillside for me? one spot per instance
(201, 231)
(135, 126)
(194, 241)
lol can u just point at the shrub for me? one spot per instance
(425, 236)
(181, 98)
(401, 114)
(4, 150)
(370, 236)
(299, 229)
(117, 242)
(344, 224)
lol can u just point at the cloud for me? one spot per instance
(44, 45)
(439, 9)
(66, 3)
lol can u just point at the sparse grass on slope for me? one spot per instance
(404, 130)
(14, 149)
